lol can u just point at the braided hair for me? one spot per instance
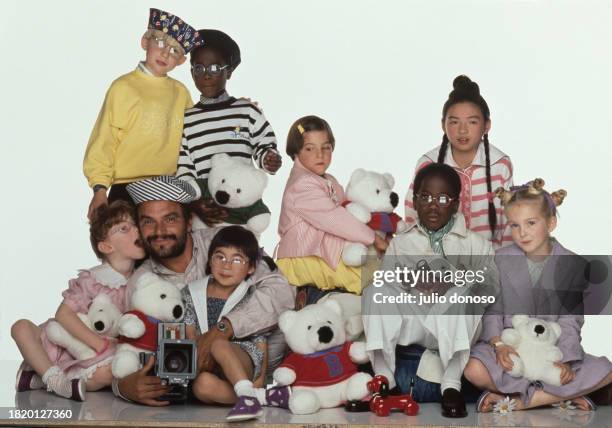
(465, 90)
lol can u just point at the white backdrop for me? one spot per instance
(378, 71)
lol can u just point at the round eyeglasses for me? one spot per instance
(199, 70)
(162, 43)
(123, 227)
(220, 259)
(443, 200)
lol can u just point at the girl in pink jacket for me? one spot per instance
(313, 226)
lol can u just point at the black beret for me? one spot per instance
(222, 43)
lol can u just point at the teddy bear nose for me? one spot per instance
(222, 197)
(325, 334)
(394, 199)
(177, 312)
(539, 329)
(99, 325)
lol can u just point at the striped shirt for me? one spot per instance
(234, 126)
(474, 199)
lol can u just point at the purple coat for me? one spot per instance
(541, 300)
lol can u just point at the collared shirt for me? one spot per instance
(435, 236)
(223, 97)
(196, 269)
(142, 67)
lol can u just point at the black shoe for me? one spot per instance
(603, 396)
(453, 404)
(357, 406)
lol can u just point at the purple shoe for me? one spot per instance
(246, 408)
(27, 379)
(278, 396)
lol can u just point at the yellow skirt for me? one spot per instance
(313, 270)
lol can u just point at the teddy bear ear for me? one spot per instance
(103, 298)
(219, 159)
(519, 320)
(556, 328)
(389, 179)
(333, 305)
(358, 174)
(286, 320)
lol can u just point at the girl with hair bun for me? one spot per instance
(466, 121)
(538, 278)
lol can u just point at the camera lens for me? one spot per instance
(175, 361)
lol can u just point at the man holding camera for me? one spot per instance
(179, 255)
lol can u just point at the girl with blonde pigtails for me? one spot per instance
(537, 274)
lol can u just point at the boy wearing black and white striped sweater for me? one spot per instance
(220, 123)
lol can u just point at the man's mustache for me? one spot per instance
(152, 238)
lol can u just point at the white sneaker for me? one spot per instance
(57, 382)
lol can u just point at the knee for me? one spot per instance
(19, 328)
(218, 346)
(475, 371)
(204, 386)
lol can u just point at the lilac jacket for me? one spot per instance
(519, 295)
(312, 222)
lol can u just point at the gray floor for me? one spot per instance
(101, 408)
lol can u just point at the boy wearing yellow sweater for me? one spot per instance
(138, 131)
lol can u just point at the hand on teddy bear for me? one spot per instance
(502, 355)
(209, 212)
(567, 374)
(272, 161)
(381, 245)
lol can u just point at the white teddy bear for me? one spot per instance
(370, 198)
(102, 317)
(534, 340)
(236, 185)
(350, 304)
(322, 368)
(153, 300)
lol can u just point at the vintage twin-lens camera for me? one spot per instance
(175, 360)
